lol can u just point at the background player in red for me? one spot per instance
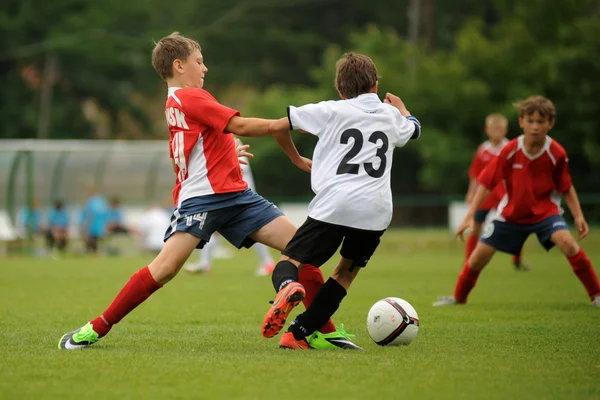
(535, 170)
(496, 127)
(210, 194)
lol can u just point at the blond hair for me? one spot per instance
(171, 48)
(496, 119)
(355, 74)
(540, 104)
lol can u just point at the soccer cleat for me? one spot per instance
(288, 341)
(79, 338)
(522, 267)
(286, 299)
(265, 270)
(197, 268)
(339, 339)
(596, 301)
(445, 301)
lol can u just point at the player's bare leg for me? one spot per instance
(276, 234)
(266, 265)
(139, 287)
(203, 265)
(467, 279)
(472, 240)
(580, 263)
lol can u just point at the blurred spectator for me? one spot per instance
(152, 227)
(58, 227)
(29, 220)
(116, 220)
(94, 220)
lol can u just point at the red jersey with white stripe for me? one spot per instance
(204, 154)
(485, 153)
(534, 183)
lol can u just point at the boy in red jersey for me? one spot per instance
(496, 127)
(535, 172)
(210, 194)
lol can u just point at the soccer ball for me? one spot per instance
(392, 322)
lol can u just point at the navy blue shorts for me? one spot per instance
(239, 216)
(481, 215)
(510, 238)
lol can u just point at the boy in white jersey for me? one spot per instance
(352, 206)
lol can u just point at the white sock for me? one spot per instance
(207, 252)
(263, 254)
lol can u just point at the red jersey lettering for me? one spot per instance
(204, 154)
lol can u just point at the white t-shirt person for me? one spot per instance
(152, 227)
(352, 161)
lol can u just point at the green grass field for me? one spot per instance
(530, 335)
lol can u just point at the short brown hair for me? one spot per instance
(496, 118)
(536, 103)
(355, 74)
(170, 48)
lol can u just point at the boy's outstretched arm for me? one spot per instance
(281, 133)
(572, 201)
(249, 127)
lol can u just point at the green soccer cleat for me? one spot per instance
(79, 338)
(339, 339)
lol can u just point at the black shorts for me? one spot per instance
(316, 242)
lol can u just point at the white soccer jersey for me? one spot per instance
(352, 160)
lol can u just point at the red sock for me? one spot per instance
(466, 282)
(585, 272)
(516, 259)
(137, 289)
(311, 278)
(471, 243)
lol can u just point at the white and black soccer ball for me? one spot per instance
(392, 322)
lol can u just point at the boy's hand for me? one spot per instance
(467, 223)
(582, 227)
(305, 164)
(396, 102)
(240, 149)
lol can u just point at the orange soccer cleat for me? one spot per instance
(288, 341)
(286, 299)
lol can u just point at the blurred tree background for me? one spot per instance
(81, 69)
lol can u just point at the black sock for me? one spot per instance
(284, 273)
(62, 245)
(325, 304)
(50, 241)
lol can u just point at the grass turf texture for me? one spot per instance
(527, 335)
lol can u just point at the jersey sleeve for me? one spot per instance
(492, 174)
(562, 175)
(407, 128)
(207, 111)
(476, 165)
(311, 118)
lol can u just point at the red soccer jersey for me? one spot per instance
(204, 154)
(534, 183)
(485, 153)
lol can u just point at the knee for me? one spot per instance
(568, 246)
(345, 277)
(163, 270)
(480, 257)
